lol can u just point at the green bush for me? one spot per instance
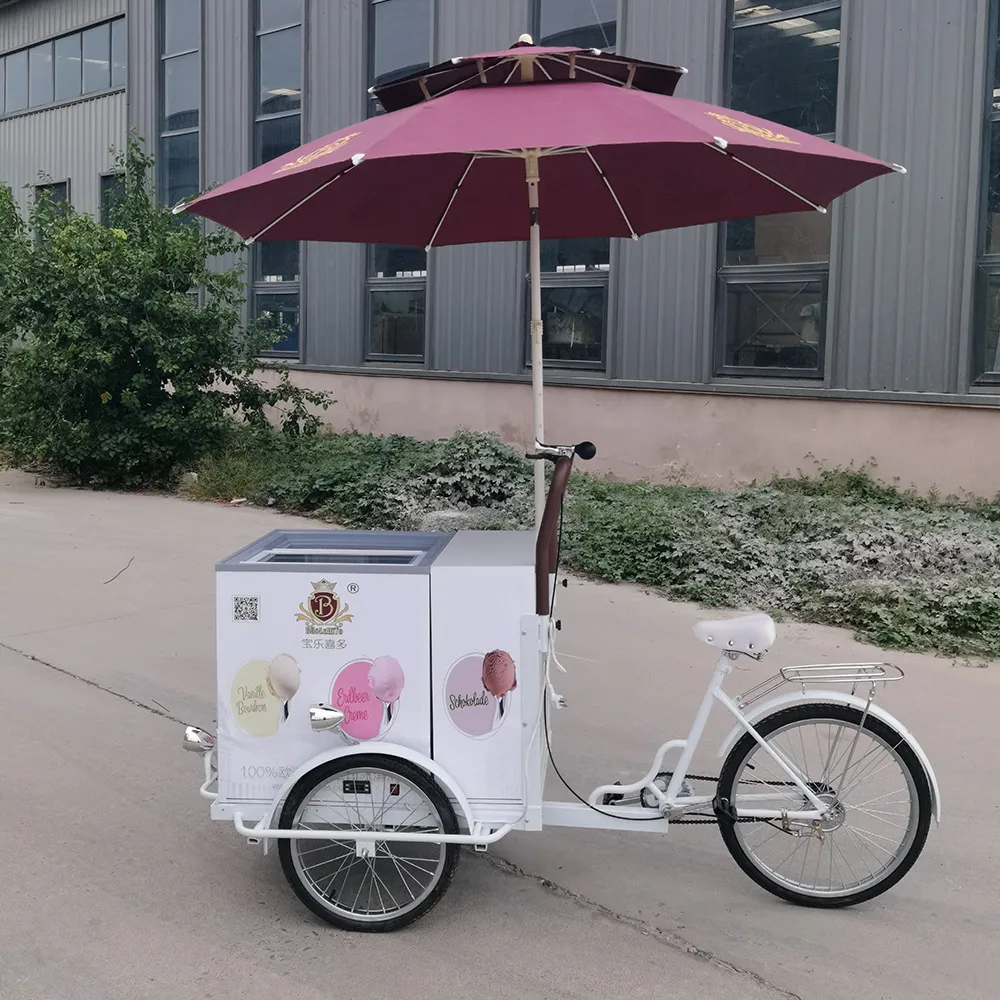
(131, 351)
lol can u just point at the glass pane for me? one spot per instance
(388, 261)
(112, 191)
(179, 156)
(56, 192)
(795, 238)
(68, 71)
(17, 82)
(2, 83)
(280, 71)
(777, 325)
(398, 322)
(281, 314)
(747, 10)
(993, 192)
(569, 256)
(182, 86)
(588, 24)
(278, 13)
(991, 358)
(786, 71)
(276, 137)
(277, 262)
(97, 59)
(181, 26)
(40, 75)
(996, 69)
(118, 47)
(573, 323)
(402, 38)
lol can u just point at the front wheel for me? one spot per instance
(878, 795)
(402, 880)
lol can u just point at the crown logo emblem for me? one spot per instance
(324, 613)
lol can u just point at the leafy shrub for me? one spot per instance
(125, 372)
(474, 469)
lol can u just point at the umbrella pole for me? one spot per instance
(531, 171)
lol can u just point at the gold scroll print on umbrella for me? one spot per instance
(317, 154)
(757, 130)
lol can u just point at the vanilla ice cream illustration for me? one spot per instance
(283, 676)
(499, 676)
(386, 680)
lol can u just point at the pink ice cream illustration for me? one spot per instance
(499, 677)
(386, 681)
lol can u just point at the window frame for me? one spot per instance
(163, 57)
(726, 274)
(987, 264)
(30, 109)
(258, 288)
(373, 284)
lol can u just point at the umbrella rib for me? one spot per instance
(607, 183)
(451, 200)
(356, 161)
(760, 173)
(593, 72)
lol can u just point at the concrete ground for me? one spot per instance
(117, 885)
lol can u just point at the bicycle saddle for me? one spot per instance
(750, 634)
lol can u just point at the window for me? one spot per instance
(575, 272)
(399, 43)
(180, 96)
(57, 192)
(276, 292)
(64, 69)
(987, 354)
(773, 276)
(112, 192)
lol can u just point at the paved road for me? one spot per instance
(117, 885)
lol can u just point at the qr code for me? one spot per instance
(246, 609)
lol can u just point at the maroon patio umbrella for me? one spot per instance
(506, 146)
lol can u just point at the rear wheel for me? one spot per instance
(878, 795)
(401, 881)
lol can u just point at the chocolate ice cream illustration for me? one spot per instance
(283, 676)
(386, 681)
(499, 675)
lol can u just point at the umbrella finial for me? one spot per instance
(525, 39)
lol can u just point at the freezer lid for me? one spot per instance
(362, 551)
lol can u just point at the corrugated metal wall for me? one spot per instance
(37, 20)
(665, 283)
(915, 90)
(335, 95)
(143, 70)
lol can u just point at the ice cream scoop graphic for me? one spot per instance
(386, 681)
(499, 676)
(283, 676)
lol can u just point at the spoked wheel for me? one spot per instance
(878, 793)
(402, 881)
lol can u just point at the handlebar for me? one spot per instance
(547, 542)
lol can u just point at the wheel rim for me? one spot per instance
(874, 808)
(400, 876)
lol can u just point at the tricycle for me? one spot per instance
(370, 772)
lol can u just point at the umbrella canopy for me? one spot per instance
(511, 145)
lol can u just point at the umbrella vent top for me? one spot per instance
(527, 63)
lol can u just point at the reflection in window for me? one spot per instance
(573, 323)
(401, 38)
(785, 65)
(40, 75)
(280, 70)
(398, 262)
(397, 322)
(118, 53)
(180, 99)
(69, 71)
(280, 314)
(179, 162)
(775, 325)
(16, 98)
(987, 356)
(591, 24)
(97, 59)
(181, 26)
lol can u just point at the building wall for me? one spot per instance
(71, 142)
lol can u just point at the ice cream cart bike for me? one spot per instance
(385, 698)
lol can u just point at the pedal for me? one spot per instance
(610, 798)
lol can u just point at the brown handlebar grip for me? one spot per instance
(547, 542)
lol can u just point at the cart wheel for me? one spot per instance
(878, 793)
(402, 881)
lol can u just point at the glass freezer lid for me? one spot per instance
(337, 557)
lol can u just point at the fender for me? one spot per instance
(840, 698)
(463, 811)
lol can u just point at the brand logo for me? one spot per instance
(324, 613)
(317, 154)
(757, 130)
